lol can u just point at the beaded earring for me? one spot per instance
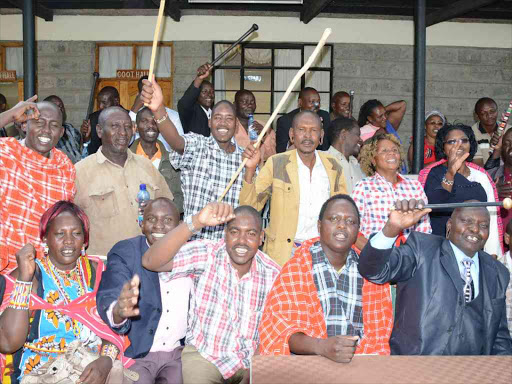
(45, 249)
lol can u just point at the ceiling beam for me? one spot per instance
(311, 9)
(39, 10)
(457, 9)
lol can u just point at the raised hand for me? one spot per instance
(204, 71)
(127, 301)
(339, 348)
(26, 259)
(455, 161)
(213, 214)
(152, 95)
(405, 215)
(25, 110)
(253, 157)
(85, 130)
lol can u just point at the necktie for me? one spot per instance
(468, 279)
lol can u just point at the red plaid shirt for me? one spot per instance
(224, 310)
(29, 185)
(375, 197)
(293, 306)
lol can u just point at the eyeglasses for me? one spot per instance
(464, 140)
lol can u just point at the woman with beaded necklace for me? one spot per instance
(61, 287)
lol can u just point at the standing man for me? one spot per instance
(345, 146)
(138, 303)
(108, 183)
(33, 176)
(195, 106)
(206, 163)
(340, 105)
(486, 110)
(297, 183)
(245, 105)
(309, 100)
(231, 280)
(149, 146)
(3, 103)
(451, 294)
(107, 97)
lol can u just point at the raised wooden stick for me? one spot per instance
(297, 77)
(155, 39)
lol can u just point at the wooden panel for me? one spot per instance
(20, 90)
(167, 91)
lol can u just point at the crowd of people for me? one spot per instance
(322, 246)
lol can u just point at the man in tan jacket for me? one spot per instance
(298, 182)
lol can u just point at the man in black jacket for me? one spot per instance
(309, 100)
(450, 293)
(195, 106)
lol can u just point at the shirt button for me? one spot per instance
(151, 331)
(167, 311)
(167, 328)
(289, 240)
(167, 292)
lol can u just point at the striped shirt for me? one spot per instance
(225, 310)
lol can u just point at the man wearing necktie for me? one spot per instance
(450, 293)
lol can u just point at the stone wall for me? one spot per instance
(456, 77)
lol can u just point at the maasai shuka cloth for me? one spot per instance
(293, 306)
(29, 185)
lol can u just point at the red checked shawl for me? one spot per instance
(29, 185)
(293, 306)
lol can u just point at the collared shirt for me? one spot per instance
(483, 140)
(206, 170)
(225, 310)
(29, 185)
(173, 115)
(107, 193)
(314, 190)
(375, 197)
(267, 147)
(351, 168)
(340, 293)
(207, 111)
(157, 157)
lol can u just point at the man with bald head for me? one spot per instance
(450, 293)
(33, 176)
(107, 97)
(297, 183)
(108, 182)
(309, 100)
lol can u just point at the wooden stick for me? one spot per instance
(297, 77)
(155, 39)
(506, 203)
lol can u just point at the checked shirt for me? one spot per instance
(29, 185)
(375, 197)
(341, 295)
(206, 170)
(225, 310)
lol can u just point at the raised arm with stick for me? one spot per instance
(297, 77)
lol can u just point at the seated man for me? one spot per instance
(138, 303)
(108, 182)
(231, 280)
(149, 145)
(33, 176)
(338, 307)
(450, 293)
(195, 106)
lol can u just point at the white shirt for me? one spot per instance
(207, 111)
(314, 191)
(173, 116)
(351, 169)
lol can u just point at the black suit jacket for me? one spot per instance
(430, 300)
(284, 123)
(192, 115)
(124, 261)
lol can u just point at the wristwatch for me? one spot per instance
(188, 220)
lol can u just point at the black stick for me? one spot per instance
(244, 36)
(351, 108)
(466, 204)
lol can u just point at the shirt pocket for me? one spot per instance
(104, 203)
(280, 186)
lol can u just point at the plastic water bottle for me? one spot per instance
(142, 198)
(253, 134)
